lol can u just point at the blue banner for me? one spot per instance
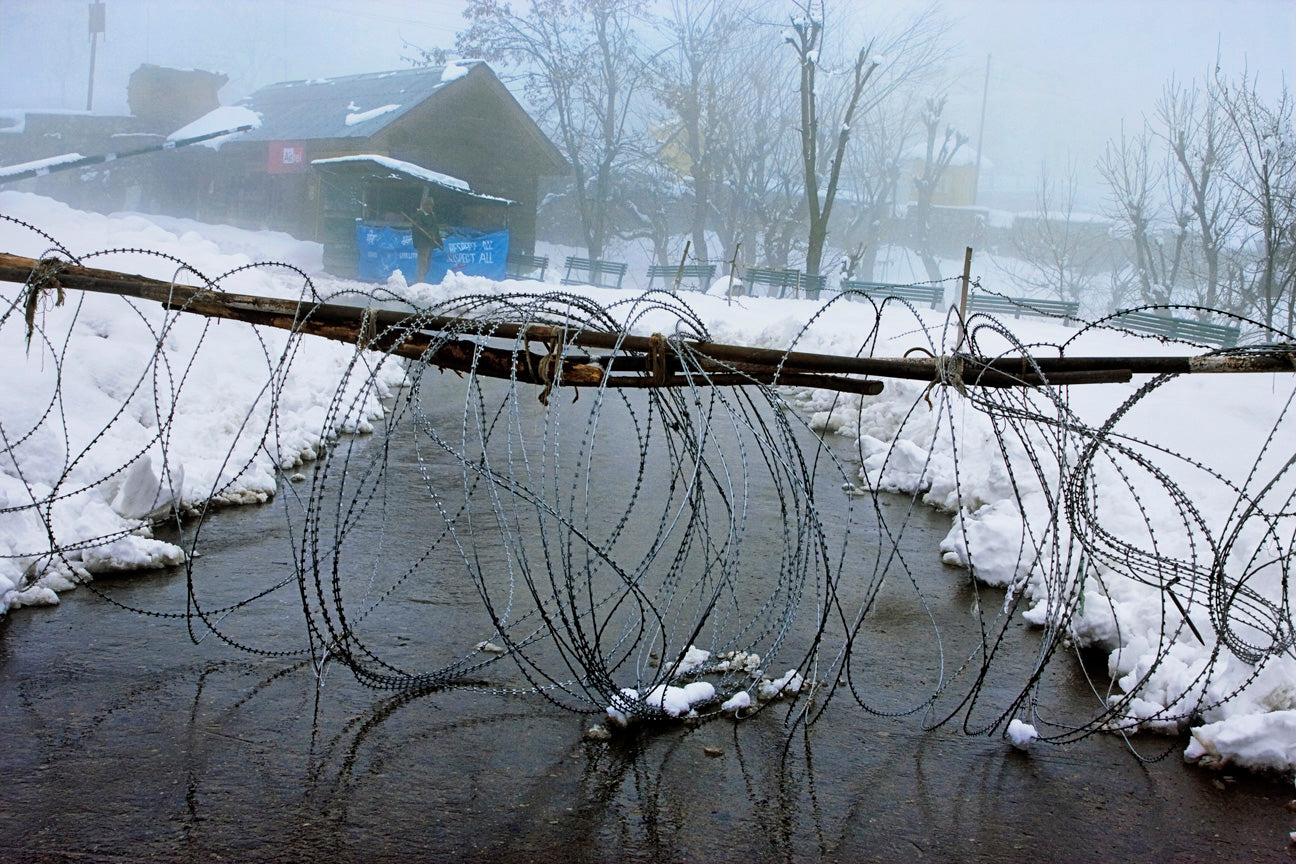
(471, 252)
(384, 250)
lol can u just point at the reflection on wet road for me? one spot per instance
(126, 741)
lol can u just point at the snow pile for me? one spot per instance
(789, 684)
(1257, 741)
(672, 700)
(189, 424)
(1021, 734)
(456, 69)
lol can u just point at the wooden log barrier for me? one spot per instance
(440, 341)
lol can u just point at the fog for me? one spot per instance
(1063, 74)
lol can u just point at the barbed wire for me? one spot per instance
(603, 543)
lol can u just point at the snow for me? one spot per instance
(406, 167)
(1021, 734)
(218, 120)
(455, 70)
(1242, 711)
(216, 412)
(40, 166)
(789, 684)
(736, 702)
(1257, 741)
(363, 116)
(13, 120)
(693, 658)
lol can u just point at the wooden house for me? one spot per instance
(326, 154)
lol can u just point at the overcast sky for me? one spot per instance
(1063, 73)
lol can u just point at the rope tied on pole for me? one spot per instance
(949, 372)
(43, 277)
(549, 369)
(948, 369)
(656, 359)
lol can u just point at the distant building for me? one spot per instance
(320, 155)
(161, 100)
(957, 185)
(328, 152)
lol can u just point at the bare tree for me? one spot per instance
(645, 199)
(1132, 180)
(582, 70)
(1209, 217)
(1265, 175)
(871, 184)
(1202, 143)
(806, 41)
(696, 84)
(756, 195)
(1063, 254)
(823, 145)
(936, 161)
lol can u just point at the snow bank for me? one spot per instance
(190, 422)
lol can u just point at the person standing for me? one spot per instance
(427, 235)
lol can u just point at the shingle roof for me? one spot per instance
(354, 106)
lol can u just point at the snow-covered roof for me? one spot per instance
(353, 106)
(218, 120)
(373, 163)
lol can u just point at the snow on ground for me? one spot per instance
(218, 445)
(1218, 421)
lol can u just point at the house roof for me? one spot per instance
(353, 106)
(377, 167)
(360, 107)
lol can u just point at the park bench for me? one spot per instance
(526, 266)
(812, 284)
(933, 294)
(698, 275)
(594, 271)
(1018, 306)
(773, 279)
(1178, 328)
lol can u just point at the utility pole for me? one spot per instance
(97, 16)
(985, 92)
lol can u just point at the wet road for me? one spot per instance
(124, 741)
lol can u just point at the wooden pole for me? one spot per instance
(413, 335)
(679, 273)
(733, 265)
(963, 298)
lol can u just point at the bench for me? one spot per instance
(1178, 328)
(526, 266)
(594, 271)
(933, 294)
(780, 279)
(700, 275)
(1068, 310)
(812, 284)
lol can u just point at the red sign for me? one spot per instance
(286, 157)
